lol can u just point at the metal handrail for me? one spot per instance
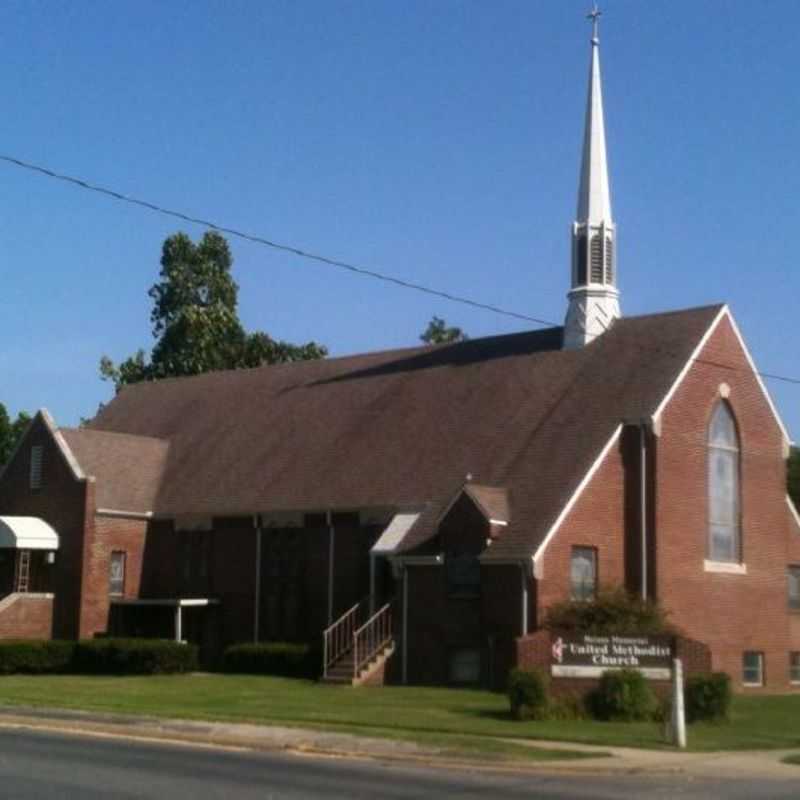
(371, 638)
(337, 638)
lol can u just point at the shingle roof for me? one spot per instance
(128, 468)
(403, 428)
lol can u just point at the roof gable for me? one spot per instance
(402, 428)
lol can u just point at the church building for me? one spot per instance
(413, 513)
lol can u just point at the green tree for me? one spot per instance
(794, 475)
(438, 332)
(11, 432)
(195, 321)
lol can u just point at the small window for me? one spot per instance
(465, 666)
(463, 574)
(116, 578)
(36, 466)
(794, 667)
(753, 669)
(583, 573)
(794, 588)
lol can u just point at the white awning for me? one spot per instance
(394, 533)
(27, 533)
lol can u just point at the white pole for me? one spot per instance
(178, 623)
(678, 715)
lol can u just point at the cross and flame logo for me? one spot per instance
(558, 650)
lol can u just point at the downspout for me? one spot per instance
(257, 608)
(331, 550)
(643, 501)
(524, 584)
(371, 583)
(405, 624)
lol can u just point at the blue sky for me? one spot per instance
(438, 141)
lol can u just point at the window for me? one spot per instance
(36, 466)
(463, 574)
(465, 666)
(794, 588)
(753, 669)
(794, 667)
(583, 573)
(116, 577)
(723, 487)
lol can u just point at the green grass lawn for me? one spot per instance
(794, 759)
(458, 717)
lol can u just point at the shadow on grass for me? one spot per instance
(486, 713)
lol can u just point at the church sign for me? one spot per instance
(588, 656)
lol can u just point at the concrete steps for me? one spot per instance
(341, 673)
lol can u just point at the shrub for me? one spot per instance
(35, 657)
(527, 694)
(708, 697)
(133, 657)
(613, 611)
(623, 695)
(272, 658)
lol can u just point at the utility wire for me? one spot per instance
(333, 262)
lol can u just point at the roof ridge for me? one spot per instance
(104, 432)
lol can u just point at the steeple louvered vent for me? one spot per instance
(597, 258)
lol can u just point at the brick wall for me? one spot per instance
(598, 519)
(731, 613)
(103, 537)
(26, 616)
(62, 503)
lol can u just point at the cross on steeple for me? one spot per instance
(594, 15)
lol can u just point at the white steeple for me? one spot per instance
(593, 297)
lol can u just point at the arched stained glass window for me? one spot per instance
(723, 487)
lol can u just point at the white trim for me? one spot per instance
(69, 456)
(683, 373)
(577, 493)
(752, 364)
(726, 567)
(793, 510)
(566, 671)
(501, 522)
(115, 512)
(724, 312)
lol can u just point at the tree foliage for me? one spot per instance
(11, 432)
(794, 475)
(195, 321)
(439, 332)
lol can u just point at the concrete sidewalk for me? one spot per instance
(243, 736)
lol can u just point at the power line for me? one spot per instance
(286, 248)
(333, 262)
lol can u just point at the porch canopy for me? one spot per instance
(27, 533)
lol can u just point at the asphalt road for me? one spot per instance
(43, 766)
